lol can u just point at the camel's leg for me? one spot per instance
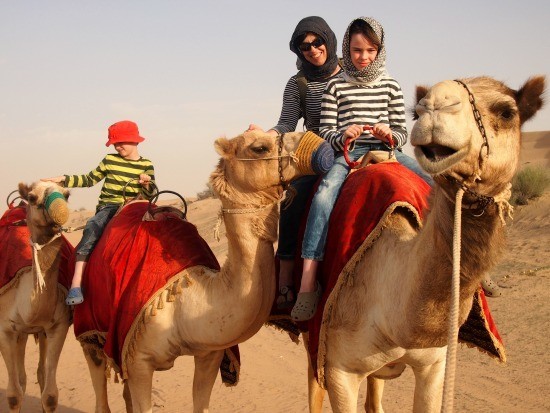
(140, 383)
(316, 393)
(96, 366)
(55, 338)
(41, 337)
(206, 371)
(127, 398)
(343, 389)
(428, 389)
(373, 399)
(21, 349)
(9, 345)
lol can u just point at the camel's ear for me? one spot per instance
(225, 147)
(25, 192)
(529, 97)
(66, 193)
(421, 91)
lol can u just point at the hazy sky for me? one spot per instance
(189, 72)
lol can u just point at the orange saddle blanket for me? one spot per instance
(133, 263)
(16, 251)
(368, 197)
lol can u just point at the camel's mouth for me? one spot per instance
(435, 159)
(437, 153)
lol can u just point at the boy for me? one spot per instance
(117, 170)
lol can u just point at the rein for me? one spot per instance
(41, 283)
(480, 205)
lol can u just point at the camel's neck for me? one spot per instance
(431, 262)
(42, 287)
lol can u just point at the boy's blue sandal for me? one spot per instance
(75, 296)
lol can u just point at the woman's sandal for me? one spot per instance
(306, 305)
(75, 296)
(286, 297)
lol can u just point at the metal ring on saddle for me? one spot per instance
(155, 198)
(14, 199)
(132, 180)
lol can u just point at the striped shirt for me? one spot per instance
(292, 110)
(117, 172)
(344, 104)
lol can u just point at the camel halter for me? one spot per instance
(501, 200)
(40, 282)
(282, 181)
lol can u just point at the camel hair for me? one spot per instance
(34, 302)
(218, 309)
(395, 312)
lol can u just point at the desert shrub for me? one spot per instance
(529, 183)
(207, 193)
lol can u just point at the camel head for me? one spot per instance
(451, 115)
(257, 162)
(46, 204)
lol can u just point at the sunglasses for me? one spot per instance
(306, 47)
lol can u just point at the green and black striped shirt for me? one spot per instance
(117, 172)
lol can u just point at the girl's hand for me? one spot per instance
(352, 132)
(144, 180)
(56, 179)
(381, 132)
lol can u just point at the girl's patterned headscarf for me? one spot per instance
(317, 25)
(376, 69)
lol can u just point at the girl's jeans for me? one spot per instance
(313, 246)
(93, 230)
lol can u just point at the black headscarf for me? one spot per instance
(319, 26)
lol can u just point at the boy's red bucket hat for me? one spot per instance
(123, 131)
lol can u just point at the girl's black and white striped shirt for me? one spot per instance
(292, 111)
(344, 104)
(117, 172)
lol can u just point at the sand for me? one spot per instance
(274, 375)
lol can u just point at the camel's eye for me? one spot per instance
(260, 150)
(504, 111)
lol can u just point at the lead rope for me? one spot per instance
(452, 337)
(40, 282)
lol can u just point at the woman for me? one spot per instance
(314, 43)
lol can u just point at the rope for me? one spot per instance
(40, 282)
(236, 211)
(452, 338)
(291, 155)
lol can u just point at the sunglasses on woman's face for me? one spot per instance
(306, 47)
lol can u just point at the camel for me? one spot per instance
(467, 137)
(33, 302)
(218, 309)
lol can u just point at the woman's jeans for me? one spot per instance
(291, 216)
(93, 230)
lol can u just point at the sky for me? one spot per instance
(190, 72)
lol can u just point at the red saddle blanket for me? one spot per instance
(133, 263)
(16, 251)
(368, 197)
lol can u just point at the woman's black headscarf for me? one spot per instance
(319, 26)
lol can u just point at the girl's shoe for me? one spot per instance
(306, 305)
(75, 296)
(490, 288)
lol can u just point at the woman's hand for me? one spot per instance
(381, 132)
(57, 179)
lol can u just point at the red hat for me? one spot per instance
(123, 131)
